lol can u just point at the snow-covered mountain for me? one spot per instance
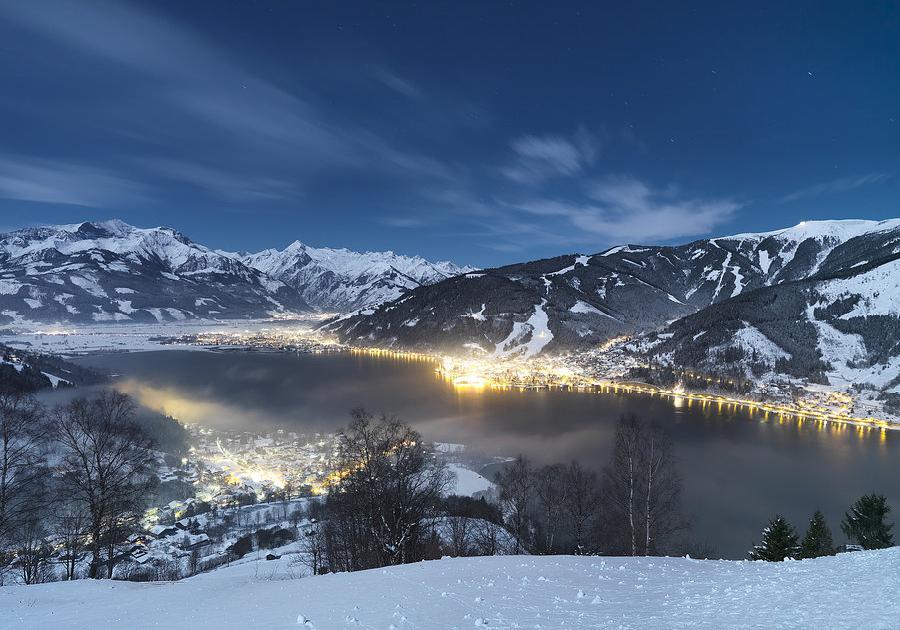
(111, 271)
(840, 324)
(342, 280)
(578, 301)
(850, 590)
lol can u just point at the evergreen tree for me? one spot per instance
(779, 542)
(865, 522)
(817, 541)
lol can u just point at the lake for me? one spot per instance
(739, 469)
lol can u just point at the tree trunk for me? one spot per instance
(94, 569)
(649, 490)
(631, 505)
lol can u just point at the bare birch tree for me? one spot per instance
(641, 490)
(550, 491)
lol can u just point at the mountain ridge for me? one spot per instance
(111, 271)
(577, 301)
(343, 280)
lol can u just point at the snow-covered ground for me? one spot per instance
(467, 482)
(856, 590)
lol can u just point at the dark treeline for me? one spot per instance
(79, 474)
(632, 508)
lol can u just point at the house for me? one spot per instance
(191, 542)
(163, 531)
(139, 554)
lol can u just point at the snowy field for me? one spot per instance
(856, 590)
(467, 482)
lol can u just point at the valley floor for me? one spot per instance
(854, 590)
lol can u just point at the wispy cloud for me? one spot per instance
(538, 158)
(842, 184)
(404, 222)
(50, 181)
(222, 117)
(626, 209)
(229, 186)
(395, 82)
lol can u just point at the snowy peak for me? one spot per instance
(344, 280)
(112, 271)
(839, 230)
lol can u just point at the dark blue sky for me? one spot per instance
(484, 132)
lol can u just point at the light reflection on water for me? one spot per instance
(739, 467)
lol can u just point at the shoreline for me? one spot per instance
(541, 373)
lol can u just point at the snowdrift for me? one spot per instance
(855, 590)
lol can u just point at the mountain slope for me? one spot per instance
(841, 324)
(27, 372)
(341, 280)
(850, 590)
(111, 271)
(577, 301)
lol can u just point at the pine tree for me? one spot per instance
(779, 542)
(865, 522)
(817, 541)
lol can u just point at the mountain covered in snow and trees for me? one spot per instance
(819, 297)
(113, 272)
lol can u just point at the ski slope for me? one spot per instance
(856, 590)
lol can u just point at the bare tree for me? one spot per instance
(313, 547)
(487, 538)
(460, 533)
(388, 486)
(119, 523)
(106, 463)
(70, 529)
(194, 561)
(516, 484)
(621, 483)
(33, 552)
(581, 502)
(641, 490)
(662, 490)
(550, 492)
(22, 450)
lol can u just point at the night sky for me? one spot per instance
(484, 132)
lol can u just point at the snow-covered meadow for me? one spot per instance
(854, 590)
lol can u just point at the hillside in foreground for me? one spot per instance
(854, 590)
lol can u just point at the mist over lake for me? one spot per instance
(738, 469)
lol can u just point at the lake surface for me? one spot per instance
(738, 469)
